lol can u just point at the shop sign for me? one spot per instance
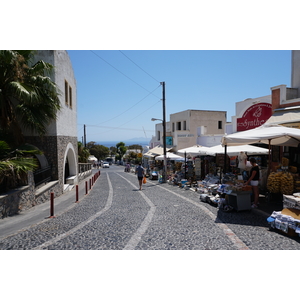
(256, 115)
(185, 135)
(169, 140)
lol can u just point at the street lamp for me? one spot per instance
(164, 131)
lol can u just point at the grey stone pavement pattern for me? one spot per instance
(115, 215)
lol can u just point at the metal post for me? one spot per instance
(225, 160)
(164, 132)
(84, 136)
(185, 166)
(77, 194)
(52, 205)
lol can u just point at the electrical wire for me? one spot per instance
(138, 66)
(122, 73)
(132, 119)
(129, 107)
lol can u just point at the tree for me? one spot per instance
(135, 146)
(83, 153)
(121, 150)
(113, 150)
(15, 164)
(28, 96)
(99, 151)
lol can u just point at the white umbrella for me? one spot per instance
(235, 150)
(194, 150)
(92, 158)
(170, 156)
(267, 134)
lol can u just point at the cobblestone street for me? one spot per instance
(115, 215)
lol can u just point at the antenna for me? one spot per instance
(145, 132)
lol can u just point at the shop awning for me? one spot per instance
(158, 150)
(170, 156)
(194, 150)
(148, 154)
(266, 134)
(235, 150)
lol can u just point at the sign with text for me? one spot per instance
(256, 115)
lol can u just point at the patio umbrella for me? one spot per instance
(267, 134)
(170, 156)
(235, 150)
(194, 150)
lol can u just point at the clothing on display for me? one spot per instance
(242, 159)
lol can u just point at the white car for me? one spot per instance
(105, 164)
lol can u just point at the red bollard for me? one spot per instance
(86, 188)
(77, 194)
(52, 205)
(90, 183)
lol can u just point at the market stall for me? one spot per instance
(230, 195)
(284, 179)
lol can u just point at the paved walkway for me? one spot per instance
(63, 203)
(41, 212)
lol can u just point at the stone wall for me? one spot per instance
(26, 197)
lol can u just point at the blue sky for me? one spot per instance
(118, 92)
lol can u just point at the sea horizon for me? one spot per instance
(127, 143)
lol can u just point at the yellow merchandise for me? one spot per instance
(281, 182)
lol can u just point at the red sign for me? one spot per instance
(256, 115)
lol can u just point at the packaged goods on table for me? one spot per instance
(287, 221)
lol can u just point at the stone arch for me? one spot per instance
(70, 165)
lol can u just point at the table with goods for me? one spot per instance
(285, 182)
(227, 194)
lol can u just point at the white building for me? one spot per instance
(60, 144)
(191, 127)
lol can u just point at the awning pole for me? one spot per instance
(225, 160)
(269, 164)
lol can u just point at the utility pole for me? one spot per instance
(164, 131)
(84, 134)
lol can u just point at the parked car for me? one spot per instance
(105, 164)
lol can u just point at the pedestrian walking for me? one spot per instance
(140, 174)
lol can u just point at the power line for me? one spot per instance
(122, 73)
(109, 127)
(138, 66)
(129, 107)
(122, 128)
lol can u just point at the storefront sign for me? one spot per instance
(185, 135)
(256, 115)
(169, 140)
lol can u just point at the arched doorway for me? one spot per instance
(70, 166)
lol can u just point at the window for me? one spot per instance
(70, 96)
(178, 126)
(66, 93)
(158, 135)
(184, 125)
(219, 124)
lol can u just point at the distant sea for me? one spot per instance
(127, 143)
